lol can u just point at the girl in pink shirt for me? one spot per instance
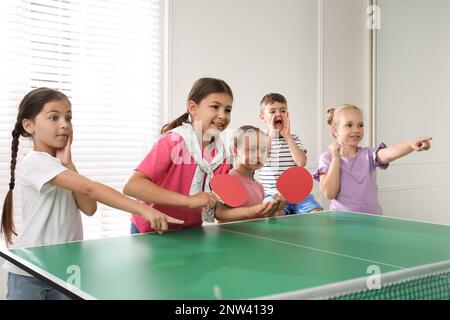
(174, 177)
(250, 151)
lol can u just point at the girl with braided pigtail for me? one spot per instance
(52, 192)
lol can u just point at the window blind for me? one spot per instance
(106, 55)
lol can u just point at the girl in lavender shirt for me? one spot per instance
(347, 171)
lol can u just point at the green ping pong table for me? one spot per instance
(322, 255)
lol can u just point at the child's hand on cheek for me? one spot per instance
(286, 130)
(65, 153)
(272, 130)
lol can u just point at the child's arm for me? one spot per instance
(298, 155)
(330, 182)
(228, 214)
(87, 205)
(100, 192)
(386, 155)
(139, 186)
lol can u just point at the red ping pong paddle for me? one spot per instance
(229, 190)
(295, 184)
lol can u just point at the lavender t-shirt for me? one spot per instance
(358, 189)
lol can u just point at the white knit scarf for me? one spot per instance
(187, 132)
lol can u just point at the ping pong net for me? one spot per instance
(427, 282)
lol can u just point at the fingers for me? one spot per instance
(259, 210)
(203, 200)
(422, 144)
(164, 225)
(160, 221)
(268, 209)
(272, 122)
(286, 123)
(335, 148)
(152, 221)
(211, 201)
(173, 220)
(279, 213)
(158, 225)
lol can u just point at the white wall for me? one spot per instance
(260, 46)
(413, 100)
(3, 276)
(256, 46)
(345, 69)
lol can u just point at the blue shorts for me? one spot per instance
(134, 229)
(30, 288)
(307, 205)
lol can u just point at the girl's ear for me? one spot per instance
(191, 107)
(334, 130)
(28, 126)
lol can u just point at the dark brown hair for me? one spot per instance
(202, 88)
(271, 98)
(30, 106)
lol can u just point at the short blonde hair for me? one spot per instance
(332, 114)
(239, 135)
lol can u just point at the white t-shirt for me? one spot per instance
(50, 214)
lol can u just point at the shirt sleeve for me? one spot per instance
(39, 169)
(324, 165)
(373, 157)
(159, 160)
(299, 143)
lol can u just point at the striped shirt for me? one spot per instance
(279, 160)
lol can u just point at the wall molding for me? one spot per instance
(168, 36)
(415, 186)
(320, 76)
(419, 163)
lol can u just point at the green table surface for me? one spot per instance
(240, 260)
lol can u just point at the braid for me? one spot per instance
(14, 149)
(7, 225)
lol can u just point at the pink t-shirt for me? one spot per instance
(255, 190)
(170, 166)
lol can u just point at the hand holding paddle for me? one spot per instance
(204, 200)
(295, 184)
(228, 190)
(262, 210)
